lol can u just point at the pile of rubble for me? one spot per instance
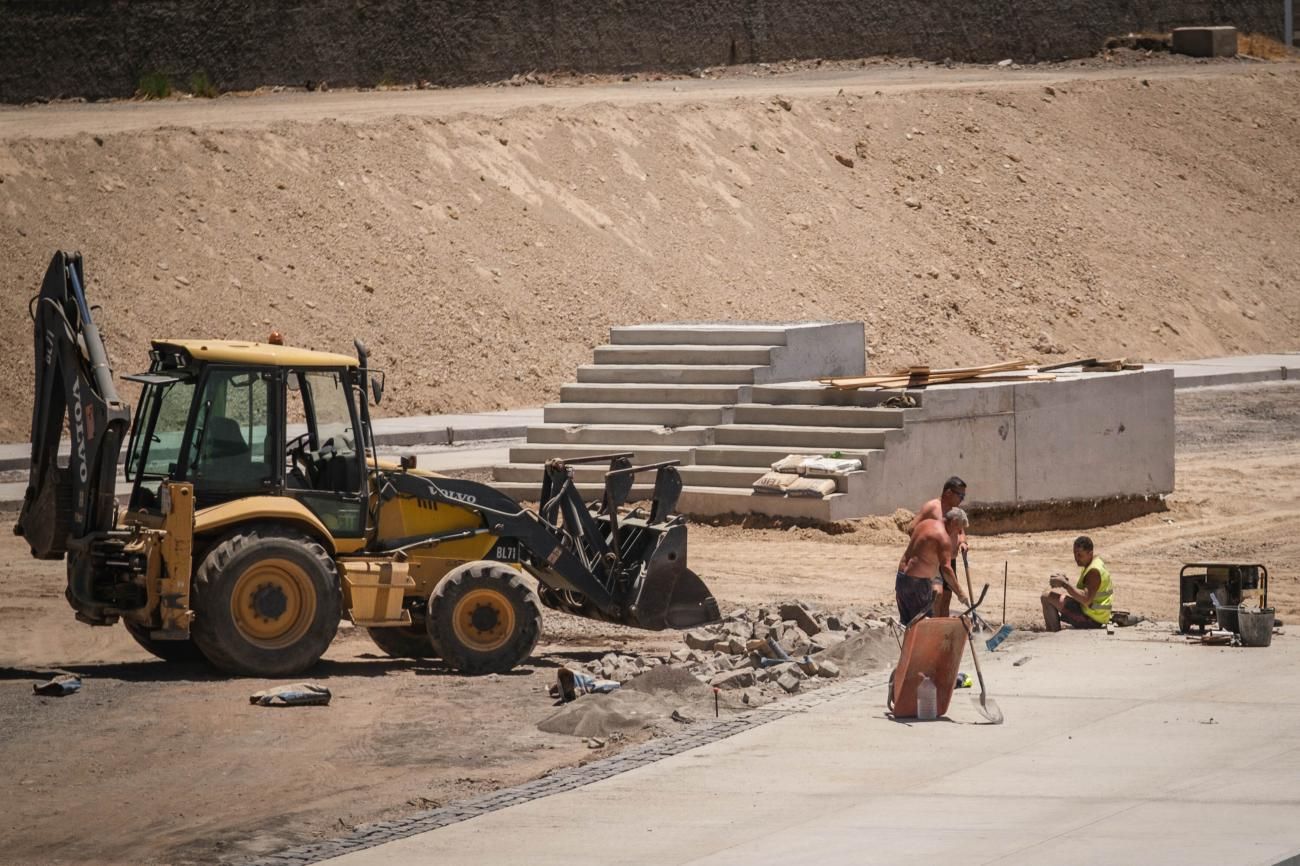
(761, 653)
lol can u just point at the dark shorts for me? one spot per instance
(1074, 616)
(914, 595)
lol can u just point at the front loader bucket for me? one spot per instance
(670, 595)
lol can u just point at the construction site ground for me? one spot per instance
(223, 781)
(483, 240)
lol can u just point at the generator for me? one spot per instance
(1200, 582)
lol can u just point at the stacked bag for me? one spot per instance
(804, 475)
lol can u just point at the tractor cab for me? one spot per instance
(240, 420)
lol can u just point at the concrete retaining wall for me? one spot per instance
(102, 48)
(1096, 437)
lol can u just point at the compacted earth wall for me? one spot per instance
(106, 48)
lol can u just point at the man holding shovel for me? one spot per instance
(928, 559)
(952, 496)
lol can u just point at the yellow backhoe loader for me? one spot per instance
(260, 513)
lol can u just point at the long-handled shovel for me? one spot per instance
(980, 624)
(987, 707)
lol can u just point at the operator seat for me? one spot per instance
(226, 459)
(223, 440)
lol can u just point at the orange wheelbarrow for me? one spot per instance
(931, 648)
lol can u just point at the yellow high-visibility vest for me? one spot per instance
(1099, 610)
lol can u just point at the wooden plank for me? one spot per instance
(1082, 362)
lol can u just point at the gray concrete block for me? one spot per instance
(736, 679)
(789, 682)
(827, 639)
(827, 669)
(800, 617)
(1205, 41)
(700, 639)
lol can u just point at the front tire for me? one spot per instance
(175, 651)
(266, 602)
(483, 618)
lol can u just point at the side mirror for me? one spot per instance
(377, 386)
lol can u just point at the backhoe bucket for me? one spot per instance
(669, 594)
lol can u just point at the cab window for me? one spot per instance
(233, 448)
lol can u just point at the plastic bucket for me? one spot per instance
(1256, 626)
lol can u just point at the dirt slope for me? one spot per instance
(482, 256)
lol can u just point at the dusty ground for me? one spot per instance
(483, 240)
(220, 780)
(1146, 212)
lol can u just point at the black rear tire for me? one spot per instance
(404, 642)
(266, 602)
(176, 651)
(483, 618)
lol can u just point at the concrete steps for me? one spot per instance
(669, 391)
(619, 434)
(666, 414)
(799, 415)
(762, 457)
(669, 374)
(704, 333)
(539, 454)
(743, 355)
(814, 393)
(728, 477)
(654, 393)
(833, 438)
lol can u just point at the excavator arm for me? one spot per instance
(74, 391)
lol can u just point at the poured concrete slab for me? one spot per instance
(1235, 370)
(1136, 747)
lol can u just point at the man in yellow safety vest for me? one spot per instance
(1086, 604)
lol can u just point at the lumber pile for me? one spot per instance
(1005, 371)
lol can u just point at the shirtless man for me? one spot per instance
(954, 492)
(926, 561)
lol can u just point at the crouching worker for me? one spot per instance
(926, 566)
(1087, 604)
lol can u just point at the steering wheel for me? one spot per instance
(299, 453)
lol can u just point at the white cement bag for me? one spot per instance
(813, 488)
(774, 483)
(828, 467)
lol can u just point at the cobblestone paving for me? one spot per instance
(567, 778)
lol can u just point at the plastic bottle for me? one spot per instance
(927, 700)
